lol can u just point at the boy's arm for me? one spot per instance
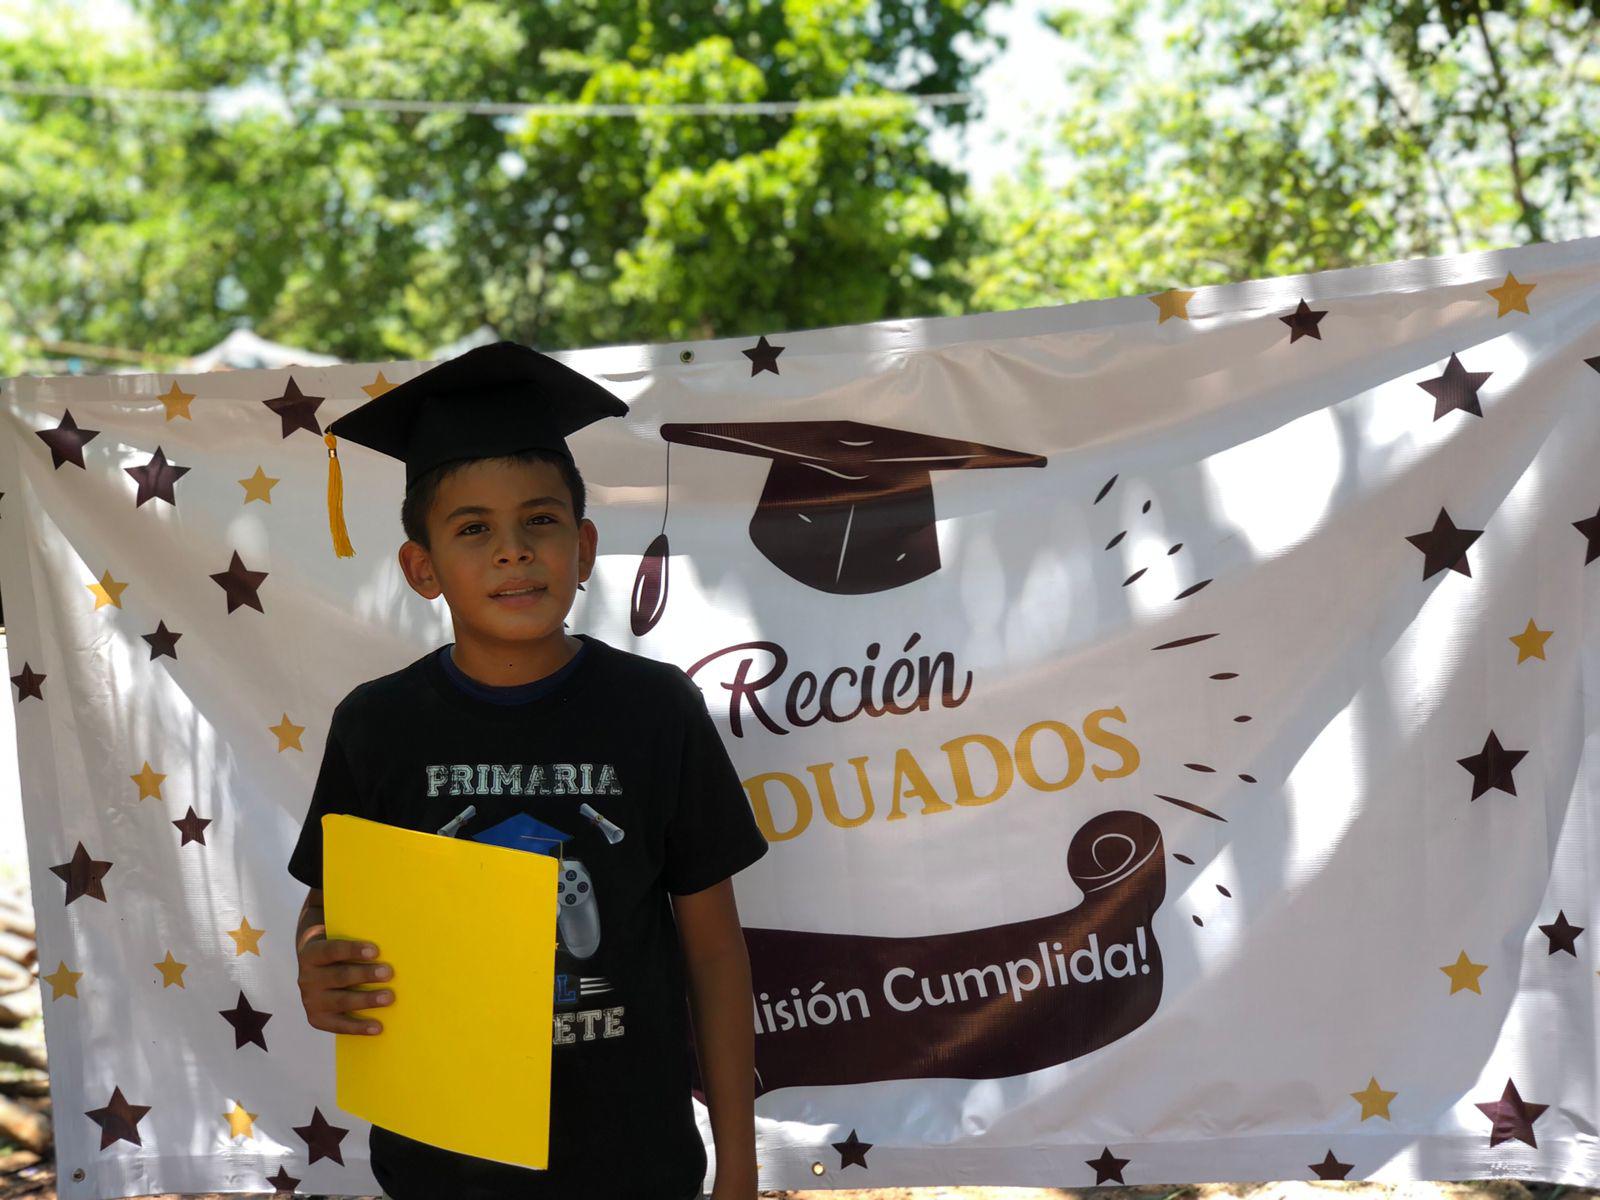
(311, 923)
(719, 1001)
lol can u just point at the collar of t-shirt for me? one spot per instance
(517, 694)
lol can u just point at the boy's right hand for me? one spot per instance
(329, 971)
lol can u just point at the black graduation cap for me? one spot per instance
(847, 507)
(491, 401)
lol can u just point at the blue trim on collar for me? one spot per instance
(518, 694)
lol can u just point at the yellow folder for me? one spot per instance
(463, 1061)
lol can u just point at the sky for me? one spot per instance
(1023, 94)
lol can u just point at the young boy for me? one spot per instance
(612, 756)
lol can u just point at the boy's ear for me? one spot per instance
(588, 547)
(417, 565)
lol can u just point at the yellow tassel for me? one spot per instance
(341, 537)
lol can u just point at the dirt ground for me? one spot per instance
(37, 1182)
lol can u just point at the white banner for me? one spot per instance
(1172, 717)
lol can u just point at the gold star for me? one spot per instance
(1512, 296)
(377, 387)
(63, 982)
(1464, 974)
(240, 1122)
(107, 591)
(288, 734)
(171, 971)
(245, 938)
(258, 486)
(1530, 642)
(1374, 1100)
(149, 781)
(1172, 303)
(177, 402)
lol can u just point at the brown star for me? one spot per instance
(1444, 546)
(1590, 528)
(66, 441)
(1513, 1117)
(83, 875)
(1108, 1167)
(1491, 767)
(28, 683)
(156, 478)
(248, 1024)
(1331, 1168)
(1456, 388)
(162, 641)
(118, 1120)
(193, 827)
(852, 1151)
(321, 1138)
(283, 1183)
(241, 583)
(763, 356)
(1302, 322)
(1563, 934)
(297, 410)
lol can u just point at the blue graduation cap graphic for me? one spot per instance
(522, 832)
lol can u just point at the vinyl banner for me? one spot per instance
(1172, 717)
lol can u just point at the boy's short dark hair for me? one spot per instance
(419, 499)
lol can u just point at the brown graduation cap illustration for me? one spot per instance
(847, 507)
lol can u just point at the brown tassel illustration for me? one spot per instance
(847, 508)
(650, 582)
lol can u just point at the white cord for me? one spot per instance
(492, 109)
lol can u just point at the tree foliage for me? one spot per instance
(1278, 136)
(1300, 135)
(380, 234)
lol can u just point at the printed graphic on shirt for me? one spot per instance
(578, 927)
(534, 779)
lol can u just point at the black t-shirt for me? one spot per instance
(630, 738)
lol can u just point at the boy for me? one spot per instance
(610, 755)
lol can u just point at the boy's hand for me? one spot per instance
(330, 971)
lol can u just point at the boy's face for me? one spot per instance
(522, 534)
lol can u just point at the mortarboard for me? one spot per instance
(493, 400)
(524, 832)
(847, 507)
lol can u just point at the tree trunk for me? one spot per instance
(27, 1127)
(21, 950)
(20, 1007)
(24, 1054)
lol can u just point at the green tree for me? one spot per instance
(375, 234)
(1299, 135)
(96, 243)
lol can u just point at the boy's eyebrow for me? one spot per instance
(467, 509)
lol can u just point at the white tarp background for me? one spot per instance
(1250, 791)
